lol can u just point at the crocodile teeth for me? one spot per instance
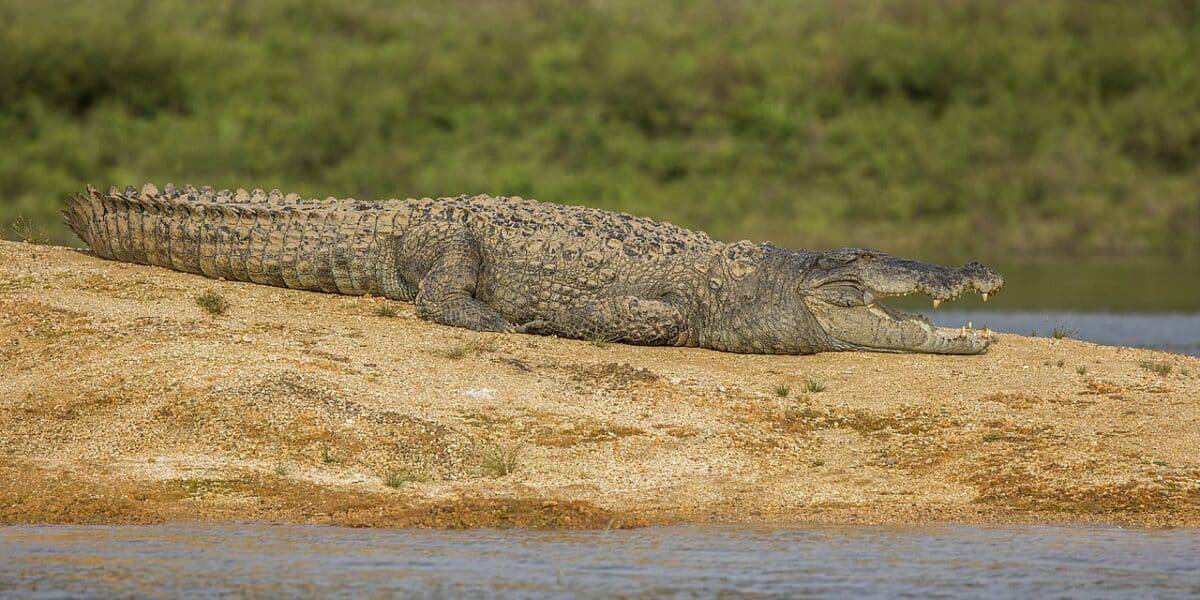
(936, 302)
(985, 296)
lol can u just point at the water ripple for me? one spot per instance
(688, 562)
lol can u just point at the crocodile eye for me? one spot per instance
(867, 256)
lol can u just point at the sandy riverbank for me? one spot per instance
(123, 401)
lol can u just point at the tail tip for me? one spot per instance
(75, 216)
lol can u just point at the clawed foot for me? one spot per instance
(536, 327)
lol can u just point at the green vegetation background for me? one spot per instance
(996, 129)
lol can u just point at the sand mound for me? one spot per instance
(124, 400)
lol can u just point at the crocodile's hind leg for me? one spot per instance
(626, 319)
(447, 292)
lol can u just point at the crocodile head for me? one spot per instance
(843, 290)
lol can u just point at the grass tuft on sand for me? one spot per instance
(213, 303)
(500, 460)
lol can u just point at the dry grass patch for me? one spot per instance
(16, 284)
(1096, 387)
(600, 340)
(398, 478)
(29, 232)
(213, 303)
(1006, 431)
(799, 420)
(876, 424)
(1161, 369)
(682, 431)
(500, 460)
(1013, 399)
(585, 433)
(385, 310)
(1060, 332)
(814, 386)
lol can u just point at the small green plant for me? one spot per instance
(1160, 369)
(212, 303)
(814, 385)
(500, 460)
(400, 477)
(1059, 332)
(1160, 463)
(327, 457)
(782, 391)
(29, 232)
(600, 340)
(385, 310)
(817, 462)
(1082, 370)
(281, 469)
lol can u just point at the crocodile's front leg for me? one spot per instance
(626, 319)
(447, 292)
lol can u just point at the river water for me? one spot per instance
(679, 562)
(1173, 332)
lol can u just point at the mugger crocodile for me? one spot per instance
(517, 265)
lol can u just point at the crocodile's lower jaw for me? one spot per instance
(883, 329)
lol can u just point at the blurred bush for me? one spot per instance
(1017, 128)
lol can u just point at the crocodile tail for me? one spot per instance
(258, 237)
(78, 215)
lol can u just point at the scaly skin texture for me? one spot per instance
(515, 265)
